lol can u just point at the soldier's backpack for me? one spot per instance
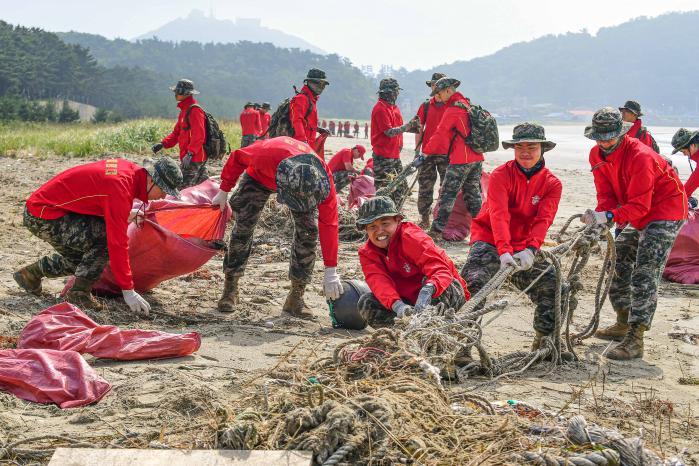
(280, 123)
(484, 135)
(215, 144)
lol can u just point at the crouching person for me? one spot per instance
(302, 181)
(522, 201)
(404, 269)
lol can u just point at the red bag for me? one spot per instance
(65, 327)
(361, 189)
(459, 224)
(683, 263)
(49, 376)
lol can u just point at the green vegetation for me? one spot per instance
(83, 139)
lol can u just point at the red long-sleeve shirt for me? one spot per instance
(260, 161)
(435, 111)
(693, 182)
(643, 136)
(304, 127)
(192, 139)
(105, 189)
(454, 119)
(517, 212)
(266, 118)
(338, 161)
(412, 259)
(637, 185)
(369, 165)
(250, 122)
(385, 116)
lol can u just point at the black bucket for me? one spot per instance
(343, 311)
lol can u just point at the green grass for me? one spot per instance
(86, 139)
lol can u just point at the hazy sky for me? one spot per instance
(409, 33)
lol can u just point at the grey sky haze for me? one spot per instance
(409, 33)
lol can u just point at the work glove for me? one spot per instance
(591, 217)
(135, 302)
(692, 202)
(418, 160)
(401, 309)
(157, 147)
(187, 160)
(424, 298)
(332, 287)
(322, 131)
(136, 216)
(220, 199)
(525, 258)
(507, 259)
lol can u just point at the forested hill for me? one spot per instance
(228, 75)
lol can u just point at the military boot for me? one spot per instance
(294, 301)
(29, 278)
(229, 298)
(631, 347)
(618, 330)
(80, 295)
(425, 222)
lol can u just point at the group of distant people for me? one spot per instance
(341, 129)
(254, 122)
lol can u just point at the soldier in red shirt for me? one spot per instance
(302, 182)
(638, 188)
(331, 127)
(250, 124)
(631, 113)
(687, 142)
(366, 130)
(83, 213)
(342, 165)
(523, 197)
(403, 267)
(265, 118)
(303, 114)
(356, 129)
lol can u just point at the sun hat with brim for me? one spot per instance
(445, 83)
(374, 209)
(633, 107)
(682, 139)
(388, 84)
(435, 77)
(184, 87)
(607, 124)
(529, 132)
(166, 175)
(314, 74)
(302, 182)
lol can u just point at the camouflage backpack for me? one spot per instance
(215, 144)
(484, 135)
(280, 123)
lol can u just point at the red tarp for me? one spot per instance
(683, 264)
(361, 189)
(459, 225)
(65, 327)
(49, 376)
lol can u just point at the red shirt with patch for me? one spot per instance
(455, 119)
(385, 116)
(338, 161)
(192, 138)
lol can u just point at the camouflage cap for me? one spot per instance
(374, 209)
(633, 107)
(435, 77)
(184, 87)
(529, 132)
(607, 124)
(445, 83)
(389, 84)
(248, 104)
(302, 182)
(166, 174)
(266, 105)
(683, 138)
(314, 74)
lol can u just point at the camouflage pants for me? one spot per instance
(80, 242)
(484, 261)
(194, 174)
(463, 177)
(247, 203)
(640, 259)
(426, 178)
(377, 315)
(247, 139)
(341, 179)
(385, 170)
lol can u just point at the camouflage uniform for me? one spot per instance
(377, 315)
(247, 202)
(385, 170)
(641, 257)
(247, 140)
(80, 242)
(426, 178)
(194, 174)
(341, 179)
(463, 177)
(484, 261)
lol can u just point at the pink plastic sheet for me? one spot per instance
(683, 264)
(361, 189)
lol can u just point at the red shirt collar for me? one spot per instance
(186, 103)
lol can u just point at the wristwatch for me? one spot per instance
(610, 215)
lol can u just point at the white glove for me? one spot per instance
(135, 302)
(591, 217)
(401, 309)
(507, 259)
(526, 258)
(220, 199)
(136, 216)
(332, 287)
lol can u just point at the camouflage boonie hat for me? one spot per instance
(166, 174)
(529, 132)
(682, 139)
(248, 104)
(314, 74)
(302, 182)
(633, 107)
(184, 87)
(444, 83)
(389, 84)
(435, 77)
(374, 209)
(266, 105)
(607, 124)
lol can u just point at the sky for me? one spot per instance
(415, 34)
